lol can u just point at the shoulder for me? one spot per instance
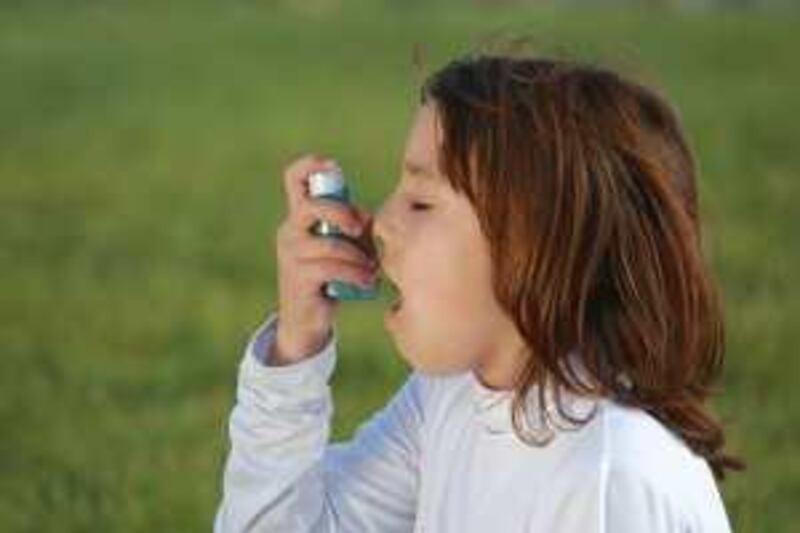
(625, 438)
(634, 438)
(636, 475)
(636, 442)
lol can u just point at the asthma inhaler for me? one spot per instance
(331, 184)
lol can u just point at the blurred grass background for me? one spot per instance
(141, 152)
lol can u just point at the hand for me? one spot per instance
(306, 261)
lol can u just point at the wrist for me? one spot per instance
(287, 350)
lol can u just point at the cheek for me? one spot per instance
(444, 314)
(455, 284)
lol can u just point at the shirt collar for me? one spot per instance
(492, 407)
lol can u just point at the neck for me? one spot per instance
(499, 371)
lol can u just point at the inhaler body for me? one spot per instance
(331, 184)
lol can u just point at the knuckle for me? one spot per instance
(341, 214)
(283, 228)
(280, 236)
(286, 233)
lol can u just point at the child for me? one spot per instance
(562, 326)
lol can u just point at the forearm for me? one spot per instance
(278, 430)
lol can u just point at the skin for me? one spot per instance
(450, 320)
(306, 261)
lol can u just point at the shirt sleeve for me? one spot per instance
(281, 473)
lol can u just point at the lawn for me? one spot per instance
(141, 152)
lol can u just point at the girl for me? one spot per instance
(562, 326)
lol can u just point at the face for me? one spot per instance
(433, 250)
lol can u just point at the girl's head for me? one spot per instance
(436, 254)
(558, 216)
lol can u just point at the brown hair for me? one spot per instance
(584, 186)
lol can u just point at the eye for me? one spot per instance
(420, 206)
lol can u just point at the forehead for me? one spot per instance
(420, 160)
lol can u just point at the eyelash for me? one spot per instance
(420, 206)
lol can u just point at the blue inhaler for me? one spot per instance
(330, 184)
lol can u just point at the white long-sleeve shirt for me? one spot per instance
(442, 457)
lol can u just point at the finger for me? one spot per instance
(333, 211)
(320, 271)
(334, 248)
(295, 177)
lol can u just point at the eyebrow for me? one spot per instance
(417, 170)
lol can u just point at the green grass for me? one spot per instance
(141, 149)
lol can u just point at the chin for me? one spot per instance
(433, 366)
(436, 359)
